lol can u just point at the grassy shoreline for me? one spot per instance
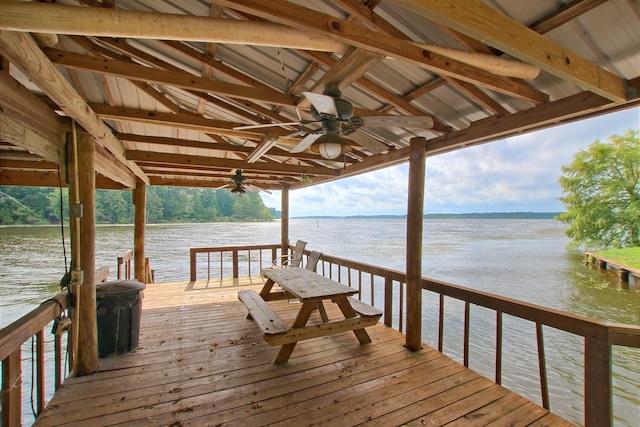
(629, 257)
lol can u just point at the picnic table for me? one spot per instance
(312, 290)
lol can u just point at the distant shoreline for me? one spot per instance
(484, 215)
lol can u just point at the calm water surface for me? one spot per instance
(523, 259)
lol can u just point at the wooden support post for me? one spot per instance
(87, 352)
(415, 209)
(284, 221)
(598, 409)
(140, 214)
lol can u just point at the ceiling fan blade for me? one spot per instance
(323, 103)
(267, 125)
(420, 122)
(306, 142)
(253, 187)
(368, 142)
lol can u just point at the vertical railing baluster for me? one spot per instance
(467, 312)
(401, 309)
(12, 389)
(208, 267)
(441, 323)
(221, 266)
(373, 300)
(388, 302)
(57, 361)
(542, 366)
(235, 263)
(193, 265)
(39, 371)
(498, 347)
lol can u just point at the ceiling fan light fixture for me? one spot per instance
(238, 189)
(330, 146)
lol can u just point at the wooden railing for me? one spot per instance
(124, 267)
(32, 327)
(231, 261)
(385, 288)
(12, 337)
(599, 337)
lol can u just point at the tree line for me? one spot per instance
(43, 205)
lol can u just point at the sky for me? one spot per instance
(517, 174)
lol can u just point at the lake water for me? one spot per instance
(523, 259)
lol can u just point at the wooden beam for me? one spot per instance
(17, 133)
(180, 121)
(273, 167)
(20, 104)
(176, 142)
(349, 68)
(29, 165)
(25, 54)
(181, 80)
(556, 113)
(30, 178)
(108, 166)
(565, 14)
(93, 21)
(306, 19)
(480, 21)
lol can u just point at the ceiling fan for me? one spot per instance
(238, 186)
(334, 114)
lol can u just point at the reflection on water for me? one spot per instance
(523, 259)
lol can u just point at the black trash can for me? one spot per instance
(118, 310)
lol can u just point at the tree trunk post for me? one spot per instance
(284, 221)
(139, 220)
(415, 209)
(87, 354)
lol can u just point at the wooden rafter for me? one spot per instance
(178, 159)
(22, 51)
(477, 20)
(181, 80)
(310, 20)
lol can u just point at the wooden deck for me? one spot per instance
(202, 363)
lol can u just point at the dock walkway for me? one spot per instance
(203, 363)
(625, 272)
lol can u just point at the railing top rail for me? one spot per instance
(367, 268)
(608, 332)
(612, 333)
(233, 248)
(126, 257)
(13, 335)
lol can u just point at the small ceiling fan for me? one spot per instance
(237, 181)
(238, 186)
(335, 116)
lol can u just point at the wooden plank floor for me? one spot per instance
(202, 363)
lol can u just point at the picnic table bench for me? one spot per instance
(312, 290)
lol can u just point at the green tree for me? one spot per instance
(602, 194)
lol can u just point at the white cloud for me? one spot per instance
(515, 174)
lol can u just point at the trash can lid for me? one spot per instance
(119, 287)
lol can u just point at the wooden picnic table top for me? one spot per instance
(306, 285)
